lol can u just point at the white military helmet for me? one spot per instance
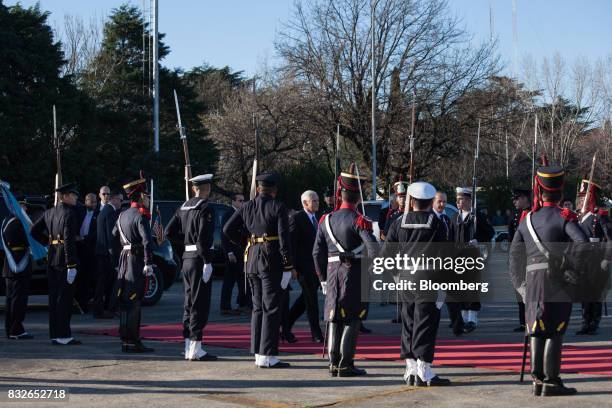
(421, 190)
(201, 179)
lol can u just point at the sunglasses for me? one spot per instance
(105, 193)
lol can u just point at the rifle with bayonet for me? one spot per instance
(183, 136)
(411, 171)
(588, 191)
(474, 208)
(58, 156)
(253, 191)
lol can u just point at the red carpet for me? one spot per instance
(498, 356)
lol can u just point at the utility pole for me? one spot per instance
(373, 11)
(155, 77)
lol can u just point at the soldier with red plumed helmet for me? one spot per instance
(543, 271)
(135, 263)
(338, 249)
(594, 224)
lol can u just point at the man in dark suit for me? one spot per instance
(439, 204)
(234, 268)
(303, 227)
(107, 256)
(86, 248)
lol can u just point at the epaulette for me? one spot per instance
(568, 215)
(322, 219)
(363, 223)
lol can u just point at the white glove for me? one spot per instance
(474, 242)
(71, 275)
(605, 264)
(232, 258)
(148, 270)
(207, 272)
(285, 280)
(522, 291)
(324, 287)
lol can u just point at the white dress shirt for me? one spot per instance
(86, 223)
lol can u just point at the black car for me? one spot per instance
(167, 208)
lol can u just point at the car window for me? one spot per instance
(450, 212)
(372, 211)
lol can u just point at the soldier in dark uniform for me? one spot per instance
(337, 253)
(467, 237)
(58, 228)
(420, 311)
(399, 189)
(541, 269)
(521, 198)
(396, 207)
(193, 224)
(17, 272)
(328, 201)
(267, 263)
(135, 264)
(594, 225)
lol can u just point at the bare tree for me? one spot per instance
(81, 43)
(418, 48)
(280, 113)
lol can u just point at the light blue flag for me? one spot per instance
(37, 250)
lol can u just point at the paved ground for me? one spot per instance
(97, 374)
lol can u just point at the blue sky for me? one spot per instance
(241, 33)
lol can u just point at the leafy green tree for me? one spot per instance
(119, 85)
(30, 84)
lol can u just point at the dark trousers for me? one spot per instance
(266, 316)
(476, 306)
(234, 274)
(307, 302)
(521, 307)
(284, 309)
(454, 313)
(197, 299)
(61, 296)
(591, 314)
(129, 321)
(84, 281)
(104, 281)
(420, 321)
(17, 290)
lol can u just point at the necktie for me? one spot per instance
(314, 221)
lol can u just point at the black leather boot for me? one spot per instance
(536, 354)
(595, 317)
(553, 386)
(123, 332)
(586, 319)
(346, 367)
(136, 347)
(333, 346)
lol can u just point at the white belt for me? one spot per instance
(337, 258)
(537, 266)
(191, 248)
(128, 246)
